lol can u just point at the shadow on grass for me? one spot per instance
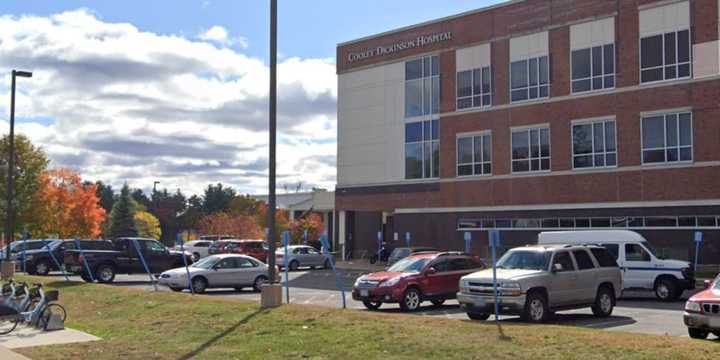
(60, 284)
(221, 335)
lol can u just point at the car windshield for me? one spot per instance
(650, 248)
(400, 253)
(717, 284)
(526, 260)
(409, 265)
(205, 263)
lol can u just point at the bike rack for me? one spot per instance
(145, 265)
(87, 267)
(55, 260)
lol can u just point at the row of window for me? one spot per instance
(662, 57)
(666, 138)
(689, 222)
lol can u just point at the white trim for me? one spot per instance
(658, 4)
(573, 206)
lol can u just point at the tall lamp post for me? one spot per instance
(272, 294)
(8, 266)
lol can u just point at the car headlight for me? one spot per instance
(692, 306)
(358, 280)
(390, 282)
(510, 285)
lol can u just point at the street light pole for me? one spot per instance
(273, 129)
(10, 216)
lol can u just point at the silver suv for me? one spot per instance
(535, 281)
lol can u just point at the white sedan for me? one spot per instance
(198, 248)
(218, 271)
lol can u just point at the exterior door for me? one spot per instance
(437, 283)
(314, 257)
(637, 267)
(224, 273)
(245, 272)
(587, 277)
(564, 281)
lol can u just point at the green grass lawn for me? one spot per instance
(138, 324)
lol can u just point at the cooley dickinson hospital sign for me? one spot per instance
(382, 50)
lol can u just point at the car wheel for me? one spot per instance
(666, 290)
(327, 264)
(294, 265)
(105, 273)
(372, 305)
(536, 309)
(438, 303)
(411, 300)
(604, 303)
(199, 284)
(259, 282)
(696, 333)
(42, 268)
(176, 289)
(478, 316)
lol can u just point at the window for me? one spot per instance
(583, 260)
(531, 149)
(529, 79)
(244, 263)
(422, 149)
(474, 155)
(227, 263)
(473, 88)
(202, 244)
(667, 138)
(603, 257)
(563, 258)
(635, 252)
(593, 68)
(442, 265)
(154, 246)
(665, 56)
(613, 249)
(594, 144)
(422, 86)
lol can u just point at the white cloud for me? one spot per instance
(130, 105)
(219, 35)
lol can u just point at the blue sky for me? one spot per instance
(308, 28)
(176, 91)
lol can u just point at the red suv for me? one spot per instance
(427, 276)
(702, 311)
(254, 248)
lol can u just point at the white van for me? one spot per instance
(641, 268)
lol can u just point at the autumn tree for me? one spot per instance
(239, 226)
(69, 208)
(147, 225)
(122, 216)
(313, 223)
(282, 221)
(30, 163)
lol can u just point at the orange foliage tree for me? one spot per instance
(69, 208)
(313, 223)
(239, 226)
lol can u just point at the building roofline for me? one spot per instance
(430, 22)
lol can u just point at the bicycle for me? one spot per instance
(35, 307)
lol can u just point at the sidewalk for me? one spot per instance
(7, 354)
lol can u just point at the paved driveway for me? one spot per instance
(635, 312)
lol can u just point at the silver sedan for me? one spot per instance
(301, 255)
(218, 271)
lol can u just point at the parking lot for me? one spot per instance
(636, 312)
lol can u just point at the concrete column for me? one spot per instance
(341, 232)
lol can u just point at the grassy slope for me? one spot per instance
(147, 325)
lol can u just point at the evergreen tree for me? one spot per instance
(123, 216)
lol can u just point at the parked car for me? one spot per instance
(702, 311)
(198, 248)
(428, 276)
(535, 281)
(18, 246)
(40, 262)
(124, 259)
(403, 252)
(217, 247)
(218, 271)
(301, 256)
(642, 268)
(215, 237)
(254, 248)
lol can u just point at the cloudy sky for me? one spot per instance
(176, 92)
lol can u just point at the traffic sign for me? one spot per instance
(494, 238)
(698, 236)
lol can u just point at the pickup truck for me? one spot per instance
(124, 259)
(40, 262)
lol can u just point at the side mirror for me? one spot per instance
(706, 284)
(557, 267)
(432, 270)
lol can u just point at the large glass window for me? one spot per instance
(473, 88)
(422, 149)
(667, 138)
(474, 155)
(665, 56)
(422, 86)
(594, 144)
(531, 149)
(529, 79)
(593, 68)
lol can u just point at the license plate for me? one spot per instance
(364, 293)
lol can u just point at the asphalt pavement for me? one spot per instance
(636, 312)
